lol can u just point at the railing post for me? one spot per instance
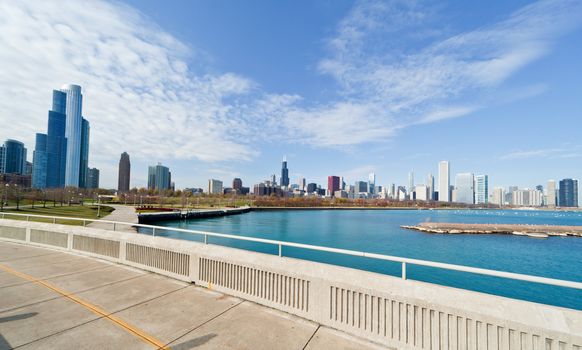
(113, 226)
(27, 217)
(84, 223)
(154, 231)
(205, 239)
(280, 250)
(403, 270)
(54, 220)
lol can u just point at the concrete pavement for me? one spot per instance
(122, 213)
(56, 300)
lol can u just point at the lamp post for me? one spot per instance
(98, 206)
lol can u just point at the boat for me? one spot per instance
(519, 233)
(537, 235)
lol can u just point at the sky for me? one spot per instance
(222, 89)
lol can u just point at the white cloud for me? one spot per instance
(408, 79)
(571, 151)
(140, 93)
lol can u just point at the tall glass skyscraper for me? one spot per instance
(444, 181)
(2, 157)
(372, 183)
(124, 173)
(481, 189)
(284, 174)
(39, 159)
(464, 186)
(66, 145)
(159, 178)
(14, 157)
(73, 133)
(568, 193)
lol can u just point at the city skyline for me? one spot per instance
(326, 120)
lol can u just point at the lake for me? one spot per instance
(378, 231)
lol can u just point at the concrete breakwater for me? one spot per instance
(190, 214)
(535, 231)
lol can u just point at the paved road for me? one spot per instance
(122, 213)
(56, 300)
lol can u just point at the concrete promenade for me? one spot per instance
(122, 213)
(55, 300)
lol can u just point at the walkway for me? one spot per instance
(122, 213)
(56, 300)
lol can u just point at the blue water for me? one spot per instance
(379, 231)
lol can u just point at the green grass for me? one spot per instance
(74, 211)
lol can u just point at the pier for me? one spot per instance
(536, 231)
(190, 214)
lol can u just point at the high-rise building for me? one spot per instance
(481, 189)
(92, 178)
(284, 173)
(311, 187)
(411, 181)
(498, 196)
(551, 194)
(2, 158)
(159, 178)
(73, 102)
(360, 187)
(421, 192)
(124, 173)
(509, 194)
(39, 160)
(333, 184)
(14, 159)
(568, 193)
(527, 198)
(56, 144)
(84, 164)
(237, 185)
(302, 184)
(444, 181)
(372, 183)
(215, 186)
(430, 187)
(465, 188)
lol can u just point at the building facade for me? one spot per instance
(551, 194)
(14, 157)
(444, 181)
(527, 198)
(333, 184)
(465, 188)
(159, 178)
(372, 183)
(498, 196)
(568, 193)
(92, 181)
(124, 173)
(215, 186)
(481, 189)
(284, 174)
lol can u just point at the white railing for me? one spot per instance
(281, 244)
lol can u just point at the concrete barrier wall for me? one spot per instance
(397, 313)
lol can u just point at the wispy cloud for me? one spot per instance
(546, 153)
(391, 79)
(142, 94)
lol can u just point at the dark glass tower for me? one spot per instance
(39, 158)
(14, 157)
(84, 164)
(568, 193)
(124, 173)
(284, 174)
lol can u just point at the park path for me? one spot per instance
(122, 213)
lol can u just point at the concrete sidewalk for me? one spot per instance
(122, 213)
(56, 300)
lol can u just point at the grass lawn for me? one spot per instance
(74, 211)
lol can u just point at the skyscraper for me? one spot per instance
(481, 189)
(411, 181)
(14, 159)
(237, 185)
(159, 178)
(92, 178)
(568, 193)
(372, 183)
(84, 163)
(444, 181)
(124, 173)
(430, 187)
(73, 132)
(498, 196)
(360, 187)
(333, 184)
(2, 157)
(551, 194)
(215, 186)
(39, 161)
(464, 187)
(284, 173)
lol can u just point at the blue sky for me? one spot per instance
(227, 88)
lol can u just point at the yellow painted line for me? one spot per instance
(95, 309)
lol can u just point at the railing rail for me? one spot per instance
(280, 244)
